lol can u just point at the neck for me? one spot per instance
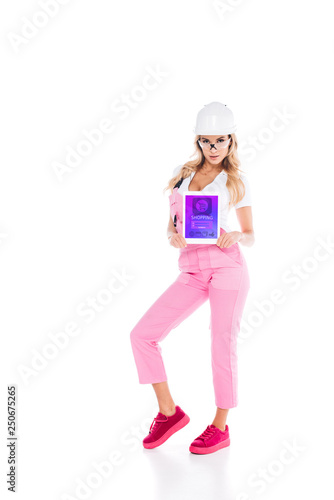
(208, 167)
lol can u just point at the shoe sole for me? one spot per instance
(203, 451)
(176, 427)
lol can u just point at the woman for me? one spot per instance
(217, 272)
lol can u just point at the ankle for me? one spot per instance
(221, 427)
(167, 410)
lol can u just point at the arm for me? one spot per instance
(178, 241)
(245, 218)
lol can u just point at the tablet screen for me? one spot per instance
(201, 217)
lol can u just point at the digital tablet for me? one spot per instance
(201, 217)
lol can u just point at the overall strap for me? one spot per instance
(178, 184)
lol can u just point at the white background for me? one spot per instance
(62, 238)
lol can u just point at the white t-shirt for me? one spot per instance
(219, 185)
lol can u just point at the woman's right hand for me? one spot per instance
(177, 240)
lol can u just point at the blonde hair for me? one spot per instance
(230, 164)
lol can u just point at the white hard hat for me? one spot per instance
(215, 118)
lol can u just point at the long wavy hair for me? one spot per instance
(230, 164)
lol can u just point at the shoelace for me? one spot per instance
(155, 420)
(209, 431)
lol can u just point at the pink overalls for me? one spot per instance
(207, 272)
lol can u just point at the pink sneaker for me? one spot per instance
(164, 427)
(212, 439)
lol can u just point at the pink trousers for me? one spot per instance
(207, 272)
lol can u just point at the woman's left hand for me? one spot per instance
(228, 239)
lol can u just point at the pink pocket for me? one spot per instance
(233, 252)
(227, 278)
(183, 261)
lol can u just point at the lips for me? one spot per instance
(216, 156)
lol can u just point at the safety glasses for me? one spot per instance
(220, 144)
